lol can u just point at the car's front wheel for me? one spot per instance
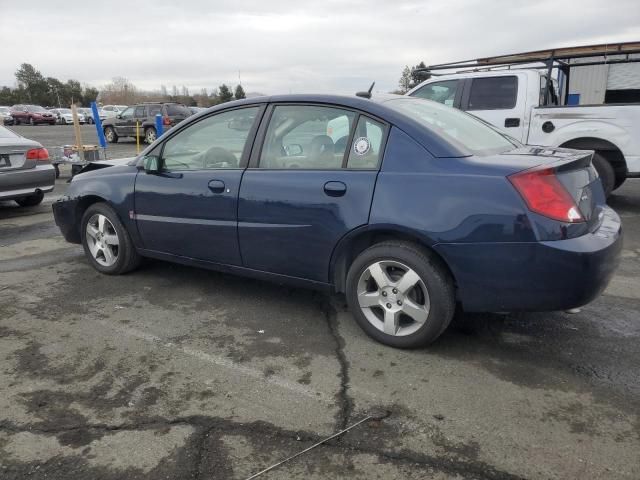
(31, 200)
(111, 135)
(106, 242)
(400, 295)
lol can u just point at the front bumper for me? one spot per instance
(65, 215)
(543, 276)
(22, 183)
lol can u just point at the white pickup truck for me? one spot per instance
(513, 100)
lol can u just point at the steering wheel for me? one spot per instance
(217, 157)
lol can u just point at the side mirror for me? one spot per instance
(151, 164)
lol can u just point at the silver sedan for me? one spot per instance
(26, 173)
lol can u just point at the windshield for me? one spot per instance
(64, 110)
(35, 108)
(457, 127)
(4, 109)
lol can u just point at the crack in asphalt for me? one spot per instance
(344, 400)
(206, 427)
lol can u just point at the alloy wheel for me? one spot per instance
(102, 240)
(393, 298)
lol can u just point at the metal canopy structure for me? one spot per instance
(549, 59)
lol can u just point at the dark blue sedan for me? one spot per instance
(409, 207)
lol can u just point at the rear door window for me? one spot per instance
(140, 112)
(441, 92)
(177, 110)
(154, 110)
(493, 93)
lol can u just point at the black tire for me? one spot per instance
(110, 134)
(620, 179)
(31, 200)
(150, 135)
(436, 279)
(57, 169)
(16, 122)
(606, 173)
(128, 258)
(63, 121)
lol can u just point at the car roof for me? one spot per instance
(376, 106)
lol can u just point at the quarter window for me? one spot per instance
(441, 92)
(366, 147)
(217, 141)
(493, 93)
(307, 137)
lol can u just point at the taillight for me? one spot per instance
(166, 121)
(544, 194)
(37, 154)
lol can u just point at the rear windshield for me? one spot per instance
(176, 109)
(457, 127)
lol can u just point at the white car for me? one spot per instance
(5, 116)
(112, 111)
(88, 114)
(515, 102)
(65, 117)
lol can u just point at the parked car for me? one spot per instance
(32, 114)
(420, 209)
(195, 110)
(5, 116)
(65, 117)
(26, 173)
(515, 101)
(111, 111)
(144, 114)
(88, 114)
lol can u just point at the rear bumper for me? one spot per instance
(22, 183)
(65, 215)
(543, 276)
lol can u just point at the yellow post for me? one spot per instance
(76, 128)
(137, 136)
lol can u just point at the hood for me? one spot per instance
(100, 164)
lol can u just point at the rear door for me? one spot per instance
(495, 99)
(139, 117)
(305, 190)
(189, 208)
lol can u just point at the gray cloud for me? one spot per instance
(282, 46)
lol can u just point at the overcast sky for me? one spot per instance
(282, 46)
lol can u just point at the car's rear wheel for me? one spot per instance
(150, 135)
(400, 295)
(106, 242)
(111, 135)
(31, 200)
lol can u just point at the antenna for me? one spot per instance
(366, 94)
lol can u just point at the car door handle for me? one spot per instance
(335, 189)
(511, 122)
(216, 186)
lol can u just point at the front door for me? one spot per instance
(307, 189)
(124, 123)
(189, 209)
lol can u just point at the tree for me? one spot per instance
(240, 93)
(120, 92)
(418, 77)
(33, 84)
(405, 80)
(224, 94)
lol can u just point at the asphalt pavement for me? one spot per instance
(174, 372)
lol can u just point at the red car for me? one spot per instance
(32, 114)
